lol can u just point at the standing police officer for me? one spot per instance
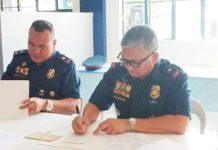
(151, 95)
(54, 80)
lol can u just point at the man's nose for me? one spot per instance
(128, 67)
(36, 49)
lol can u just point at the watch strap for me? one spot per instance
(49, 106)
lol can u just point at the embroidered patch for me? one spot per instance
(122, 88)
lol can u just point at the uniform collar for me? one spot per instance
(50, 61)
(154, 73)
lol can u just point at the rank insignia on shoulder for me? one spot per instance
(114, 65)
(122, 88)
(66, 59)
(50, 74)
(175, 72)
(20, 52)
(155, 91)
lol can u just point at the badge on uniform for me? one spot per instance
(122, 88)
(155, 91)
(50, 73)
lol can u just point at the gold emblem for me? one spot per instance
(52, 93)
(41, 92)
(50, 73)
(122, 88)
(155, 91)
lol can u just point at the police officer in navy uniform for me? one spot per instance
(150, 94)
(54, 80)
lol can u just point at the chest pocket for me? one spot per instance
(121, 95)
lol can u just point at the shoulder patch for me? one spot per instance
(65, 59)
(20, 52)
(174, 71)
(115, 65)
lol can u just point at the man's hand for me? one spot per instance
(113, 126)
(34, 104)
(80, 125)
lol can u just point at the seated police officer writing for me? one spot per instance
(54, 80)
(151, 95)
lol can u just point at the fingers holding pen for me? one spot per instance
(79, 125)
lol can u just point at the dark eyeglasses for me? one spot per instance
(132, 63)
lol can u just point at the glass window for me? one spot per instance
(47, 5)
(28, 5)
(64, 4)
(211, 19)
(134, 14)
(160, 18)
(188, 21)
(10, 5)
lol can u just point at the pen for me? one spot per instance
(77, 110)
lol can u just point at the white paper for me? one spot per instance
(125, 141)
(69, 140)
(9, 141)
(163, 144)
(12, 92)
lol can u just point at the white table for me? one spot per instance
(12, 136)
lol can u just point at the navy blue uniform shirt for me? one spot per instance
(56, 78)
(164, 91)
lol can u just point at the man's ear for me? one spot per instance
(155, 57)
(54, 42)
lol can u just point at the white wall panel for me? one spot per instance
(74, 33)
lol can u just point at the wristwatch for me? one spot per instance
(49, 106)
(132, 123)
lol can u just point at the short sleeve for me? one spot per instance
(71, 85)
(179, 97)
(102, 95)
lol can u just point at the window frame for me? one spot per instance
(173, 15)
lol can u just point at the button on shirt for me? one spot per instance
(56, 78)
(164, 91)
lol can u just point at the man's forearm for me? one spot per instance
(91, 113)
(65, 106)
(168, 124)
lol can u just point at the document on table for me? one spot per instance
(127, 141)
(73, 141)
(163, 144)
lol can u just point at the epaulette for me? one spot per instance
(65, 59)
(115, 65)
(20, 52)
(174, 71)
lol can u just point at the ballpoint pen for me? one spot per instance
(77, 110)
